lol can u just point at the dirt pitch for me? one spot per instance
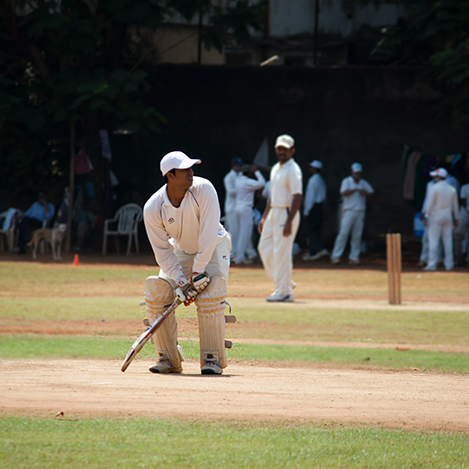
(91, 388)
(71, 389)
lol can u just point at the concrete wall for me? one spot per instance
(336, 16)
(336, 115)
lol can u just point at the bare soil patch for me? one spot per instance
(92, 388)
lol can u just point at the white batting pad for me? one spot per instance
(158, 297)
(210, 310)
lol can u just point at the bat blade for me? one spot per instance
(147, 334)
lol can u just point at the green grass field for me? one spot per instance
(335, 313)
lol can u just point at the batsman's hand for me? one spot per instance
(199, 281)
(184, 291)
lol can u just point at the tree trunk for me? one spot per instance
(71, 187)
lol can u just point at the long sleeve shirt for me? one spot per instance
(315, 192)
(245, 188)
(194, 226)
(442, 201)
(38, 211)
(229, 181)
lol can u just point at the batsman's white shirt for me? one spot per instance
(194, 227)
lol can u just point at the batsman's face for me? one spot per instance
(183, 178)
(284, 154)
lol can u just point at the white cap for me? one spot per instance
(176, 160)
(357, 168)
(316, 164)
(285, 141)
(440, 172)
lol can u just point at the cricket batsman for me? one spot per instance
(182, 221)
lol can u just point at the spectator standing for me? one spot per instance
(441, 214)
(280, 220)
(314, 213)
(354, 191)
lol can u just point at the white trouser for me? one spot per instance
(276, 250)
(460, 236)
(352, 221)
(210, 302)
(425, 253)
(440, 227)
(231, 225)
(245, 223)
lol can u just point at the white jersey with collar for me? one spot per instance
(354, 201)
(245, 188)
(442, 201)
(194, 226)
(229, 181)
(286, 180)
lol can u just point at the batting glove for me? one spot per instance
(184, 292)
(199, 281)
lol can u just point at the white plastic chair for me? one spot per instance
(124, 223)
(10, 232)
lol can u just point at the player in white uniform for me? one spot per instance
(441, 214)
(313, 211)
(461, 232)
(246, 186)
(182, 220)
(281, 218)
(229, 181)
(354, 191)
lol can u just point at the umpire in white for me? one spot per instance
(182, 220)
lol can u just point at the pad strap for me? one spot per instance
(210, 310)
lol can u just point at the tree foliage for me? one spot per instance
(435, 34)
(65, 61)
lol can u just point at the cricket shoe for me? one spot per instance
(354, 262)
(280, 298)
(164, 366)
(335, 260)
(211, 368)
(321, 253)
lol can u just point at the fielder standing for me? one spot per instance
(281, 218)
(354, 191)
(182, 220)
(441, 214)
(246, 186)
(229, 181)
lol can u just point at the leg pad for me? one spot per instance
(158, 297)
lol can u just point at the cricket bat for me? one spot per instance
(147, 334)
